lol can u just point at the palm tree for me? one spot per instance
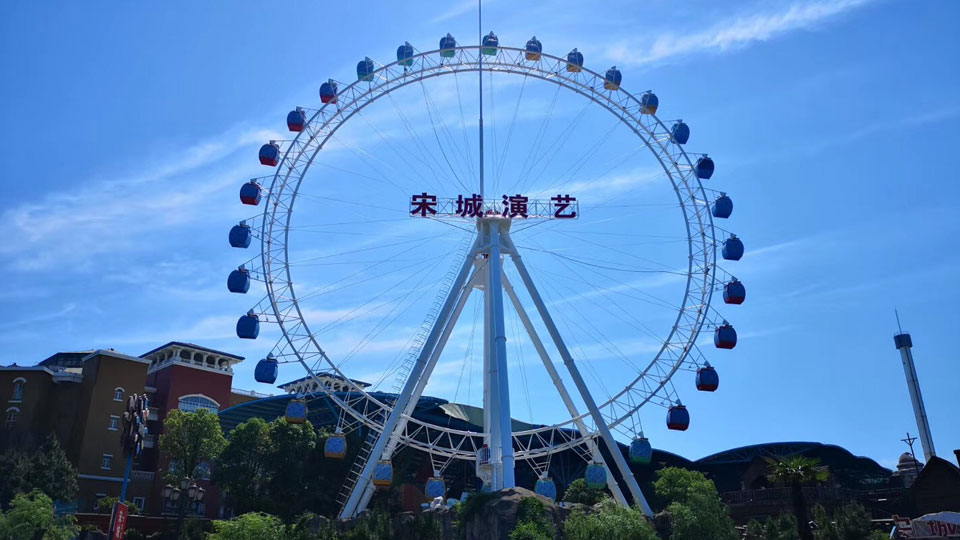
(795, 472)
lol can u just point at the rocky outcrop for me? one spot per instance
(497, 516)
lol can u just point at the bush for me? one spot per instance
(611, 522)
(782, 527)
(250, 526)
(31, 516)
(578, 492)
(532, 521)
(105, 506)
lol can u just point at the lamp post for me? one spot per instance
(188, 494)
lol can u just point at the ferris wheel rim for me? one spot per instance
(530, 69)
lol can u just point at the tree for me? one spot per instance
(696, 510)
(796, 472)
(754, 530)
(243, 468)
(579, 492)
(610, 522)
(532, 522)
(850, 522)
(782, 527)
(292, 454)
(190, 439)
(31, 517)
(105, 506)
(44, 467)
(250, 526)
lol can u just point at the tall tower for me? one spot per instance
(904, 344)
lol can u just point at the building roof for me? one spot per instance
(191, 346)
(329, 374)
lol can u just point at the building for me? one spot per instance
(80, 397)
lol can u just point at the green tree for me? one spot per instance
(850, 522)
(249, 526)
(243, 468)
(532, 521)
(610, 522)
(31, 517)
(190, 439)
(44, 467)
(754, 530)
(105, 506)
(796, 472)
(579, 492)
(292, 456)
(782, 527)
(696, 510)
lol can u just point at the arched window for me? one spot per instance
(12, 414)
(18, 389)
(196, 402)
(118, 394)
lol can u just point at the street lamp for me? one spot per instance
(192, 497)
(167, 491)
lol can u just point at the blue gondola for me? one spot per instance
(649, 103)
(678, 418)
(734, 292)
(722, 206)
(725, 337)
(575, 61)
(680, 132)
(296, 412)
(405, 54)
(240, 235)
(365, 69)
(611, 81)
(640, 450)
(489, 44)
(328, 92)
(546, 488)
(447, 46)
(270, 154)
(335, 447)
(248, 326)
(704, 168)
(707, 379)
(435, 487)
(732, 248)
(296, 120)
(239, 281)
(250, 193)
(533, 53)
(596, 476)
(267, 370)
(383, 473)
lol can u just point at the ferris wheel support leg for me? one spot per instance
(498, 361)
(578, 381)
(561, 388)
(413, 387)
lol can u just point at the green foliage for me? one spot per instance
(796, 470)
(532, 521)
(849, 522)
(250, 526)
(133, 534)
(31, 517)
(754, 530)
(782, 527)
(105, 506)
(610, 522)
(374, 526)
(242, 470)
(190, 439)
(44, 467)
(579, 492)
(696, 510)
(468, 509)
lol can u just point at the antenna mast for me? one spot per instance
(480, 72)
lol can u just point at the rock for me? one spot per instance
(498, 516)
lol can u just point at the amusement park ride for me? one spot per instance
(590, 423)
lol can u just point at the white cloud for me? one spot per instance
(731, 33)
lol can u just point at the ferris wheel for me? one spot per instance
(574, 260)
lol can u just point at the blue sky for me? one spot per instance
(833, 124)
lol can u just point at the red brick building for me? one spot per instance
(79, 397)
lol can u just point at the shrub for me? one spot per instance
(105, 506)
(610, 522)
(250, 526)
(578, 492)
(532, 521)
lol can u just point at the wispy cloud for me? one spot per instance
(731, 33)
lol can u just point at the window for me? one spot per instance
(96, 500)
(18, 389)
(197, 402)
(114, 423)
(107, 462)
(12, 414)
(118, 394)
(141, 503)
(202, 472)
